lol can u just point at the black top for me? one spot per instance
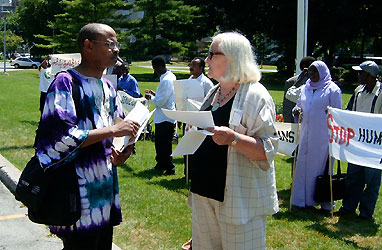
(209, 163)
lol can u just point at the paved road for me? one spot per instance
(17, 232)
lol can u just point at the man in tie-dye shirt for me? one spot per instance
(85, 139)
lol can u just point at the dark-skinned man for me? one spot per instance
(85, 138)
(362, 183)
(164, 97)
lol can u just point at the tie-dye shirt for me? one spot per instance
(61, 135)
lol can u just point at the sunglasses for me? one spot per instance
(211, 54)
(110, 44)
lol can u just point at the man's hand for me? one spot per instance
(118, 157)
(126, 128)
(149, 92)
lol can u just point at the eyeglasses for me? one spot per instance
(211, 54)
(110, 44)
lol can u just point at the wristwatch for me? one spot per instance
(233, 143)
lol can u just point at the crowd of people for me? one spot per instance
(233, 187)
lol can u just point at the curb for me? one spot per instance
(10, 175)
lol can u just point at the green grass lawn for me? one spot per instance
(154, 207)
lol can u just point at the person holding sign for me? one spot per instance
(233, 185)
(84, 138)
(318, 93)
(363, 183)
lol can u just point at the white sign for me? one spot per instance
(129, 102)
(61, 62)
(287, 137)
(187, 89)
(355, 137)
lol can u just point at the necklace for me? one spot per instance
(221, 98)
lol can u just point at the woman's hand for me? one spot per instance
(222, 135)
(118, 157)
(297, 111)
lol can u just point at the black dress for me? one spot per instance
(209, 163)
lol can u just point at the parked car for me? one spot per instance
(24, 62)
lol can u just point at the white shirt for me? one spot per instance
(45, 79)
(164, 97)
(363, 99)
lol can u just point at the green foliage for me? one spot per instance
(13, 41)
(167, 27)
(33, 18)
(72, 19)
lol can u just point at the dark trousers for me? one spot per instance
(42, 101)
(362, 187)
(164, 133)
(102, 241)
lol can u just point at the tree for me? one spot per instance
(76, 14)
(32, 17)
(167, 27)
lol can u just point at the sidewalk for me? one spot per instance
(17, 232)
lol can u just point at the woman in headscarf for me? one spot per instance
(318, 93)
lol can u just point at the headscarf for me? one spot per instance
(325, 77)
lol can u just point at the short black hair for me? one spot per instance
(90, 31)
(125, 65)
(159, 61)
(202, 62)
(307, 60)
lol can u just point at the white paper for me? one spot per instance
(201, 119)
(190, 142)
(187, 89)
(141, 115)
(194, 105)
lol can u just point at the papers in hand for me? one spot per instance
(201, 119)
(192, 139)
(139, 114)
(190, 142)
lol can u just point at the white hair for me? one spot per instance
(241, 63)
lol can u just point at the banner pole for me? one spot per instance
(294, 161)
(331, 186)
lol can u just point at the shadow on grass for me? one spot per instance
(345, 227)
(15, 147)
(33, 123)
(172, 184)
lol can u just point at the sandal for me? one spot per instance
(187, 245)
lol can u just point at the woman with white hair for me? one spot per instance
(233, 185)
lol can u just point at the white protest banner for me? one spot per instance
(129, 102)
(355, 137)
(187, 89)
(62, 62)
(288, 137)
